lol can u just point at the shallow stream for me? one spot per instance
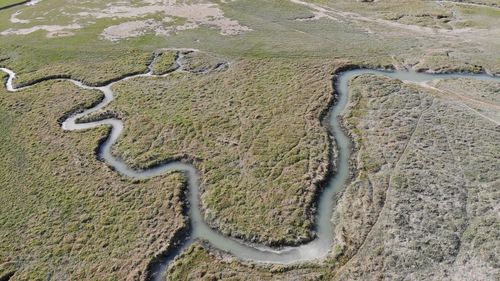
(317, 249)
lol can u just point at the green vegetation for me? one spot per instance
(399, 214)
(165, 62)
(258, 142)
(275, 33)
(435, 14)
(447, 63)
(11, 3)
(97, 70)
(198, 62)
(253, 129)
(65, 215)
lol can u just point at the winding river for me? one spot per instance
(317, 249)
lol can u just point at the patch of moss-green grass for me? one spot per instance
(165, 62)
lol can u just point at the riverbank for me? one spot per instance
(317, 249)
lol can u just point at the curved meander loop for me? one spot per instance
(317, 249)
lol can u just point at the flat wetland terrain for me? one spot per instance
(241, 90)
(254, 149)
(65, 214)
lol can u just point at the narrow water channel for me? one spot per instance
(317, 249)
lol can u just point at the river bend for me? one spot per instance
(315, 250)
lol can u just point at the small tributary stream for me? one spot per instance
(317, 249)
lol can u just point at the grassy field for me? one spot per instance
(252, 127)
(258, 142)
(165, 62)
(10, 3)
(65, 215)
(275, 33)
(394, 219)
